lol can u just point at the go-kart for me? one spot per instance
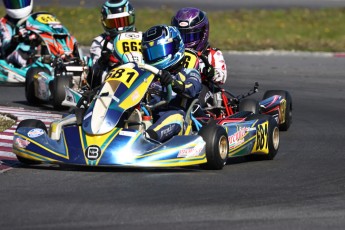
(55, 62)
(222, 103)
(111, 131)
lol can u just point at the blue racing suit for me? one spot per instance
(169, 120)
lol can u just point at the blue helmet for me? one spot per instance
(117, 16)
(163, 47)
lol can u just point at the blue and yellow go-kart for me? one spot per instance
(111, 131)
(55, 61)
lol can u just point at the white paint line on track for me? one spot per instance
(6, 137)
(6, 144)
(7, 154)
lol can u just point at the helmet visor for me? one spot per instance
(16, 4)
(191, 36)
(118, 22)
(157, 52)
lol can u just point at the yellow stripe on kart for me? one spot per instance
(32, 156)
(45, 148)
(179, 162)
(136, 96)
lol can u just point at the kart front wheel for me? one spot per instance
(59, 93)
(30, 84)
(217, 146)
(30, 123)
(287, 111)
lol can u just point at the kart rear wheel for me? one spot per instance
(31, 123)
(273, 136)
(30, 84)
(217, 146)
(59, 93)
(287, 111)
(250, 105)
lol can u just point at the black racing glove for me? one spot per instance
(178, 86)
(104, 58)
(208, 71)
(166, 78)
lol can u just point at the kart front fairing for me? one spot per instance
(119, 147)
(123, 89)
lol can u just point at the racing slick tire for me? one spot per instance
(250, 105)
(217, 146)
(272, 139)
(30, 84)
(287, 112)
(59, 93)
(32, 123)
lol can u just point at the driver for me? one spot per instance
(12, 49)
(163, 48)
(117, 16)
(193, 25)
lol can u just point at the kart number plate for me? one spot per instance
(262, 138)
(125, 46)
(125, 75)
(190, 61)
(47, 19)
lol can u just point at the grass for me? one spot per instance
(6, 121)
(292, 29)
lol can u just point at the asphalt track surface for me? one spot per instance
(302, 188)
(206, 5)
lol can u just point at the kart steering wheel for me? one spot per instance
(167, 95)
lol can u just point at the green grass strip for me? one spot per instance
(6, 121)
(291, 29)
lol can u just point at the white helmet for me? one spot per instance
(18, 9)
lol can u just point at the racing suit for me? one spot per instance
(169, 121)
(102, 59)
(13, 51)
(217, 74)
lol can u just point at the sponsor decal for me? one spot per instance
(33, 133)
(167, 130)
(135, 95)
(191, 152)
(237, 138)
(127, 133)
(132, 35)
(183, 24)
(93, 152)
(20, 143)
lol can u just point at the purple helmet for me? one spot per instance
(193, 26)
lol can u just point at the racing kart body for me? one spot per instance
(55, 61)
(111, 131)
(276, 103)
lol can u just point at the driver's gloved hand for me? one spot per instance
(178, 86)
(208, 72)
(104, 58)
(166, 78)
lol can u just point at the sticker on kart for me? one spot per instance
(261, 144)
